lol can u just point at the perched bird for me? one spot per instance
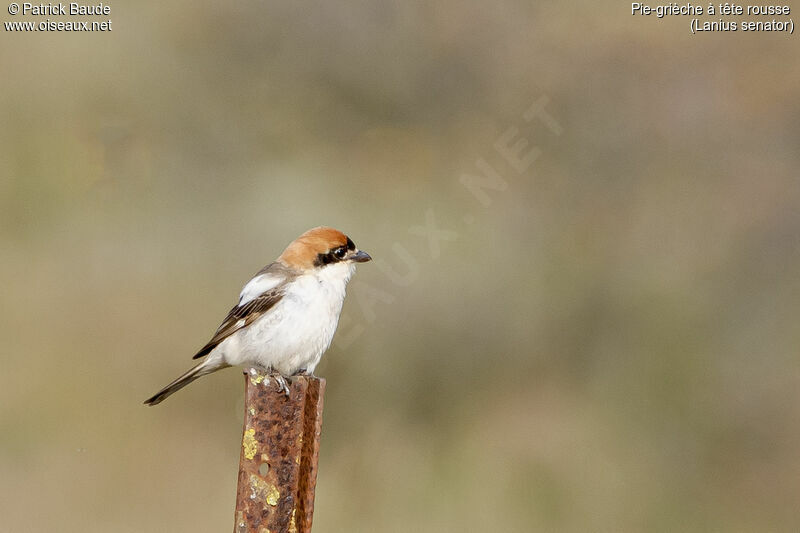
(287, 313)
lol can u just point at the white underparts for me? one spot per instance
(293, 335)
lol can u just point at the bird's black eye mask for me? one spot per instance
(334, 256)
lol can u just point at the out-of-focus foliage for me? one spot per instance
(611, 344)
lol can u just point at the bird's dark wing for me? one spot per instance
(242, 316)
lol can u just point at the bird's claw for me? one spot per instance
(282, 385)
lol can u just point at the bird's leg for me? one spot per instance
(282, 385)
(280, 380)
(303, 372)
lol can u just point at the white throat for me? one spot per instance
(336, 275)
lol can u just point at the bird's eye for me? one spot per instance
(339, 253)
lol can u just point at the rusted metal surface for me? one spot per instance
(280, 447)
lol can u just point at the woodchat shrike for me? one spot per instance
(286, 315)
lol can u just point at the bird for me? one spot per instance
(286, 314)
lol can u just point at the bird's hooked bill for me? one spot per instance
(361, 257)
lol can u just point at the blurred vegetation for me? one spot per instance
(610, 345)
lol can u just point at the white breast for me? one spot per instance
(294, 334)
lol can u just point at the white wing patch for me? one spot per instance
(257, 286)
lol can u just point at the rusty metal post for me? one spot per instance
(280, 448)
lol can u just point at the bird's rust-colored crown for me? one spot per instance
(303, 251)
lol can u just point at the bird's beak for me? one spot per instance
(360, 257)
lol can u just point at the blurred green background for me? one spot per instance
(611, 344)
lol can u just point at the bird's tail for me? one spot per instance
(206, 367)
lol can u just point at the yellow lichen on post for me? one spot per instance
(249, 443)
(263, 490)
(272, 496)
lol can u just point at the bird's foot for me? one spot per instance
(281, 381)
